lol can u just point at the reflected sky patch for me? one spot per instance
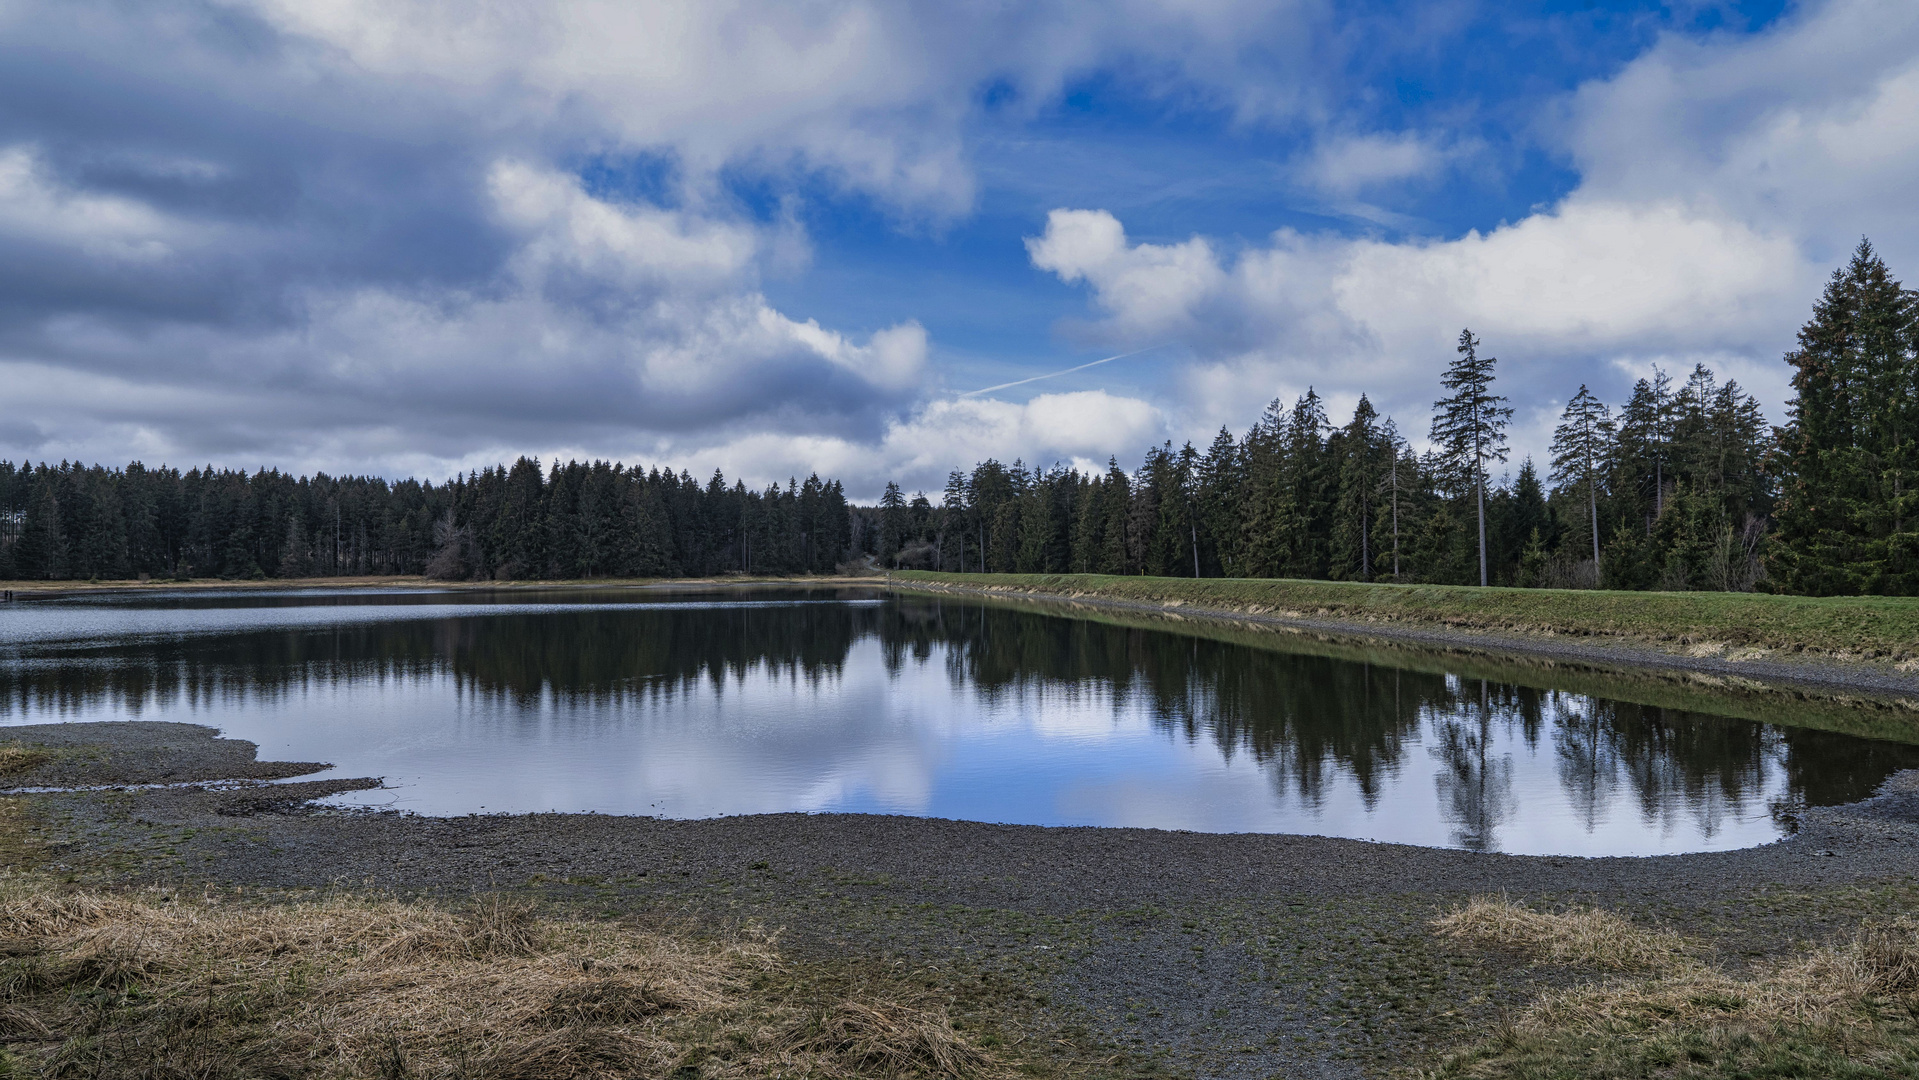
(696, 706)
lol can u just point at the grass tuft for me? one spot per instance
(1591, 937)
(881, 1040)
(16, 758)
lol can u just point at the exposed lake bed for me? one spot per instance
(1207, 954)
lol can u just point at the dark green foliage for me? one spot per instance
(1221, 478)
(1847, 521)
(893, 523)
(579, 521)
(1363, 457)
(1581, 443)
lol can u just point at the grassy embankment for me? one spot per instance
(1699, 624)
(1702, 623)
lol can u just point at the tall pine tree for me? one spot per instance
(1469, 427)
(1582, 443)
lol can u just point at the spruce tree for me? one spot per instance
(892, 523)
(1523, 516)
(1399, 472)
(1469, 427)
(1114, 554)
(1268, 502)
(1582, 444)
(1220, 511)
(953, 522)
(1311, 489)
(40, 552)
(1364, 458)
(1846, 443)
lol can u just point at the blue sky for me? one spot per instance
(413, 237)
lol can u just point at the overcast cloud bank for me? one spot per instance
(367, 237)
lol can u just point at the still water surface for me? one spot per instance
(700, 705)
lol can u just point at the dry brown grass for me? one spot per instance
(1844, 1010)
(147, 985)
(1824, 988)
(16, 758)
(1591, 937)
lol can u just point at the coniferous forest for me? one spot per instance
(1685, 485)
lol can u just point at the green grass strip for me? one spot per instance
(1860, 627)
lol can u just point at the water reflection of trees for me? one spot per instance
(587, 656)
(1311, 721)
(1475, 776)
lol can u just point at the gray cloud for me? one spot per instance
(344, 234)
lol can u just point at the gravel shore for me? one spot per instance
(1201, 954)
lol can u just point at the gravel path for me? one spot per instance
(1210, 955)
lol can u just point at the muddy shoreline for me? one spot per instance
(1206, 955)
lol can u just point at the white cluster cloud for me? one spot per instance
(1150, 289)
(1812, 128)
(564, 229)
(1721, 181)
(609, 318)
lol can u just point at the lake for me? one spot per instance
(765, 700)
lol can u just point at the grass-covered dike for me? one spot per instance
(1869, 628)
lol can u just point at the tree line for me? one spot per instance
(1673, 493)
(576, 520)
(1683, 486)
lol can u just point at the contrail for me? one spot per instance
(1067, 371)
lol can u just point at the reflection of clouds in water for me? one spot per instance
(986, 714)
(910, 740)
